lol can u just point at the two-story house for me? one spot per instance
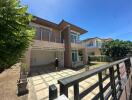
(57, 41)
(94, 45)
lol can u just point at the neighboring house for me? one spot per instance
(94, 45)
(57, 41)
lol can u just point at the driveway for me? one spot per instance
(42, 77)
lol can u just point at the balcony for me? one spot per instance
(46, 45)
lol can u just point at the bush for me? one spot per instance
(100, 58)
(116, 49)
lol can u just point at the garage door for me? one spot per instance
(41, 57)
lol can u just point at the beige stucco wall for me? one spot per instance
(43, 57)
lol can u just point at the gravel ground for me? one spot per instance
(8, 84)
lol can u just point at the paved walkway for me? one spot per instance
(42, 77)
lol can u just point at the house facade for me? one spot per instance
(57, 41)
(94, 45)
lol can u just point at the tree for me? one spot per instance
(15, 32)
(116, 49)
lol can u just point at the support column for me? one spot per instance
(85, 56)
(67, 42)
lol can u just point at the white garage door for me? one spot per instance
(41, 57)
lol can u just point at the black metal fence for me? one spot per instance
(114, 86)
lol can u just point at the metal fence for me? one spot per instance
(114, 86)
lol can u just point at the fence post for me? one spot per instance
(128, 65)
(112, 81)
(118, 73)
(76, 91)
(101, 86)
(52, 92)
(63, 90)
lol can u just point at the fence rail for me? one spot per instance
(115, 85)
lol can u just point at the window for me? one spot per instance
(74, 55)
(43, 34)
(38, 33)
(90, 44)
(74, 37)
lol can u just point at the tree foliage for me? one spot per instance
(15, 32)
(116, 49)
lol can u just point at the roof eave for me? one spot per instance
(82, 31)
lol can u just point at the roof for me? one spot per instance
(64, 23)
(44, 22)
(106, 39)
(60, 26)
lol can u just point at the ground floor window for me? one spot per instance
(74, 55)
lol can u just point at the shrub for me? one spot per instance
(100, 58)
(15, 33)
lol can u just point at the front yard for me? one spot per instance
(39, 82)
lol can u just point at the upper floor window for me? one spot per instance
(90, 44)
(43, 33)
(74, 37)
(38, 33)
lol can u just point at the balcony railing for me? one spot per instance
(114, 89)
(77, 45)
(39, 44)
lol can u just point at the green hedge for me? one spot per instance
(100, 58)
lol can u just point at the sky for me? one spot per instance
(101, 18)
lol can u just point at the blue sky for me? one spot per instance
(102, 18)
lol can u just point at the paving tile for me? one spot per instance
(85, 84)
(48, 79)
(88, 97)
(42, 94)
(45, 75)
(52, 74)
(57, 76)
(64, 74)
(36, 78)
(81, 89)
(40, 86)
(37, 82)
(52, 82)
(96, 90)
